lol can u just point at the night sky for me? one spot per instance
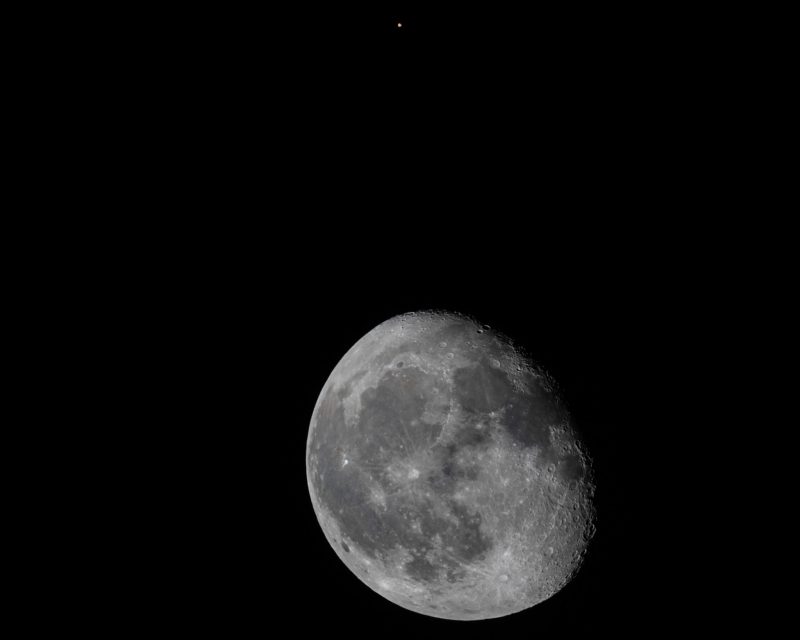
(491, 28)
(594, 52)
(322, 170)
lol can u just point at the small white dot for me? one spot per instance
(399, 25)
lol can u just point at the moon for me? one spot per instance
(445, 471)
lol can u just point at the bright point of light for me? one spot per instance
(399, 25)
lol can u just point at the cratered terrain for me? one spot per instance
(445, 471)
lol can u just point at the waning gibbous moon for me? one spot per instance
(445, 472)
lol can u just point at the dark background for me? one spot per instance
(294, 178)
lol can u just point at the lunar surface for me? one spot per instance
(445, 472)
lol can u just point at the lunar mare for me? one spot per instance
(445, 472)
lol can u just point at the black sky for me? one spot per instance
(317, 171)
